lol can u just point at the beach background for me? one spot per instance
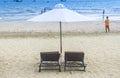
(20, 56)
(21, 41)
(19, 11)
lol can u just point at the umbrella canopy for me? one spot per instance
(60, 14)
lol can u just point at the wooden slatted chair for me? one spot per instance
(49, 59)
(74, 59)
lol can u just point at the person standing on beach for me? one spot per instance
(107, 22)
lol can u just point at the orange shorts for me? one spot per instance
(107, 26)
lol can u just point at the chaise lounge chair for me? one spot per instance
(74, 59)
(49, 59)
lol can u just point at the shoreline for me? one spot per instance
(80, 27)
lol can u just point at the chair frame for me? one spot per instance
(49, 59)
(74, 59)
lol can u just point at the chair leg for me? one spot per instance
(59, 68)
(84, 68)
(84, 65)
(65, 67)
(40, 68)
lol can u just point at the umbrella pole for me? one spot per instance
(60, 37)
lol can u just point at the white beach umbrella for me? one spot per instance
(60, 14)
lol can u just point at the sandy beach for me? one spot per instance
(22, 42)
(81, 27)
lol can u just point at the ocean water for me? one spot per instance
(21, 11)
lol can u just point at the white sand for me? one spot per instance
(90, 26)
(19, 56)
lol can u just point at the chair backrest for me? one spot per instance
(50, 56)
(74, 56)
